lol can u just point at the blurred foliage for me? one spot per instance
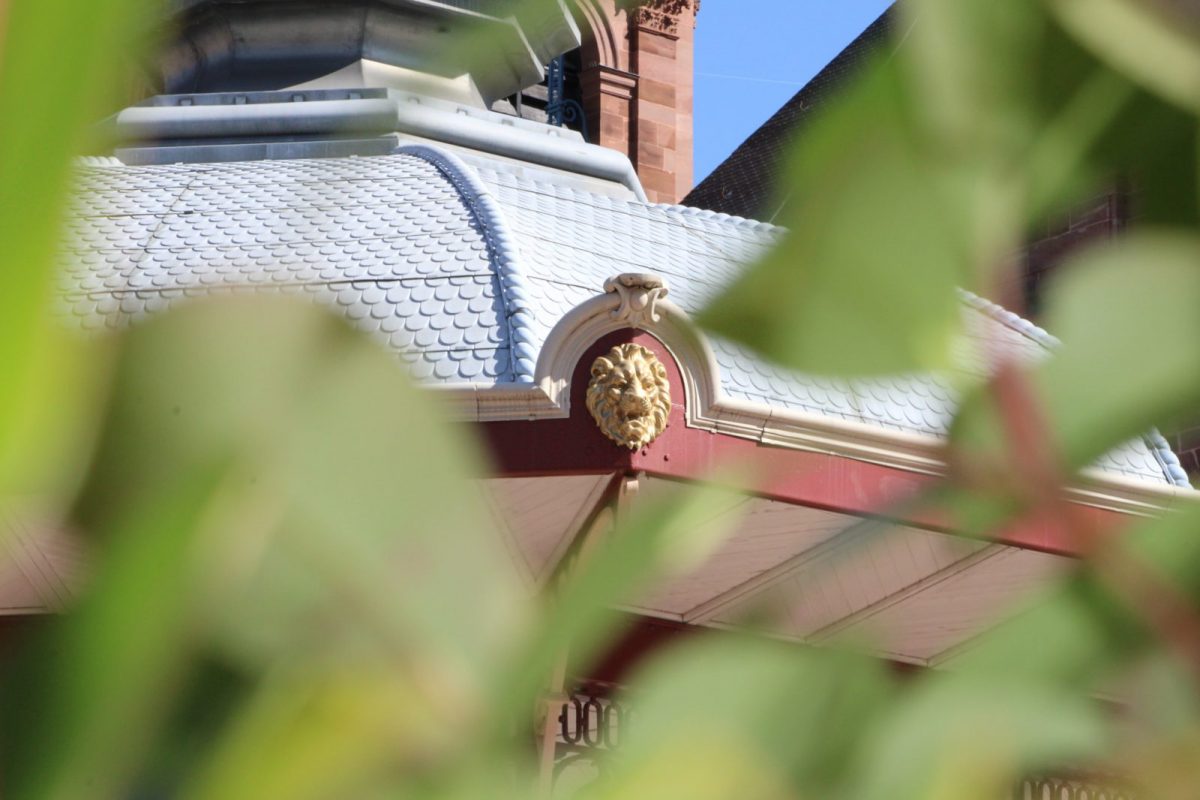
(294, 594)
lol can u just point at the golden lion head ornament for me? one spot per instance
(629, 395)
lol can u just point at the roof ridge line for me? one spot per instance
(501, 242)
(705, 213)
(1010, 319)
(1168, 459)
(98, 161)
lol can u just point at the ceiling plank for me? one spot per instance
(932, 579)
(775, 575)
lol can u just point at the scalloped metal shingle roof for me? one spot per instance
(461, 270)
(388, 241)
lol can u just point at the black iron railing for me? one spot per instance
(1070, 789)
(561, 110)
(592, 719)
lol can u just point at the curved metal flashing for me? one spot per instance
(1167, 458)
(1172, 468)
(502, 246)
(1010, 319)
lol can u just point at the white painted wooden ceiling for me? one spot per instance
(790, 571)
(39, 566)
(804, 573)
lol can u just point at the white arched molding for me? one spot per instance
(597, 17)
(631, 300)
(637, 301)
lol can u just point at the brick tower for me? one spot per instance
(636, 86)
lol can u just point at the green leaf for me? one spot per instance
(1130, 357)
(1151, 42)
(317, 734)
(1087, 634)
(973, 64)
(349, 538)
(956, 737)
(58, 70)
(365, 505)
(864, 280)
(1079, 633)
(87, 699)
(783, 719)
(1153, 151)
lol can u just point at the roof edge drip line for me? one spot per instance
(502, 245)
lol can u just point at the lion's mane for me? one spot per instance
(604, 395)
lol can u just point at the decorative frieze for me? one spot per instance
(665, 16)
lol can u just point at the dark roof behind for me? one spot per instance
(744, 183)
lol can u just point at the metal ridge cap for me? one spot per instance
(1010, 319)
(1167, 459)
(500, 136)
(501, 242)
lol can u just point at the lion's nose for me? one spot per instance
(634, 401)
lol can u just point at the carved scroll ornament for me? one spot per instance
(639, 293)
(664, 16)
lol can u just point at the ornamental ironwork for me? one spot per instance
(592, 720)
(561, 110)
(590, 726)
(1046, 788)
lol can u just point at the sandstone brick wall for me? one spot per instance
(636, 83)
(1101, 217)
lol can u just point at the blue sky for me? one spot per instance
(752, 55)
